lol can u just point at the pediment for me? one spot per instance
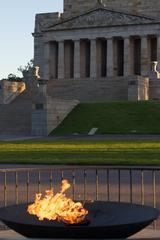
(101, 17)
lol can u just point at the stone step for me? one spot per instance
(15, 118)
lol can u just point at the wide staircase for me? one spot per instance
(15, 118)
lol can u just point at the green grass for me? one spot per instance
(81, 152)
(113, 117)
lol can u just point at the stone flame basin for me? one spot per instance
(105, 220)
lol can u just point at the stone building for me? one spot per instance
(98, 50)
(95, 51)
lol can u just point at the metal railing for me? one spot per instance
(123, 184)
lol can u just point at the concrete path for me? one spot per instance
(83, 137)
(108, 137)
(15, 137)
(145, 234)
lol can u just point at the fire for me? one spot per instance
(58, 207)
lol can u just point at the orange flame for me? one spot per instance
(58, 207)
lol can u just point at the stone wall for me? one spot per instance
(138, 89)
(154, 89)
(1, 93)
(147, 7)
(90, 90)
(72, 7)
(45, 19)
(51, 114)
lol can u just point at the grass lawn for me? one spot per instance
(81, 152)
(113, 117)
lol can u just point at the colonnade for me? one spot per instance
(100, 57)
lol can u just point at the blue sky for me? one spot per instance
(17, 24)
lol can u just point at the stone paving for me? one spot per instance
(144, 234)
(15, 137)
(83, 136)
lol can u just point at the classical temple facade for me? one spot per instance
(97, 50)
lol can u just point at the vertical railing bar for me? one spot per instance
(119, 185)
(62, 175)
(108, 186)
(85, 182)
(5, 189)
(39, 181)
(154, 194)
(51, 179)
(74, 183)
(28, 181)
(16, 187)
(97, 183)
(131, 186)
(154, 188)
(142, 187)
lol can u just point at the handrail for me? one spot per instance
(61, 168)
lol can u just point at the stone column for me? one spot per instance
(145, 66)
(77, 59)
(46, 60)
(93, 58)
(110, 59)
(158, 52)
(61, 60)
(127, 57)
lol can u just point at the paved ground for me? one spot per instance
(74, 137)
(145, 234)
(111, 137)
(15, 137)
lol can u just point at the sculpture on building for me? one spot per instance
(101, 3)
(154, 74)
(36, 73)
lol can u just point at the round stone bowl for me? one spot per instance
(105, 220)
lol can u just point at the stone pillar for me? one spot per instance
(77, 59)
(93, 58)
(138, 88)
(42, 89)
(47, 60)
(110, 59)
(145, 66)
(39, 111)
(127, 57)
(158, 51)
(61, 60)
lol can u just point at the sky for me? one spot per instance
(17, 24)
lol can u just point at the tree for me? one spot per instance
(28, 67)
(22, 69)
(13, 78)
